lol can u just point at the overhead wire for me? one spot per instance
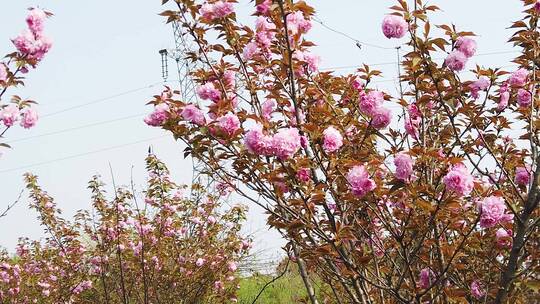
(75, 128)
(95, 101)
(359, 43)
(81, 154)
(395, 62)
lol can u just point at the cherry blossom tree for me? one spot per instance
(435, 203)
(169, 248)
(32, 45)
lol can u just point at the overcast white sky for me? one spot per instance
(103, 48)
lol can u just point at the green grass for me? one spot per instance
(287, 289)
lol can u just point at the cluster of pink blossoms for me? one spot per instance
(264, 35)
(404, 167)
(493, 211)
(412, 122)
(503, 238)
(504, 97)
(425, 278)
(359, 180)
(517, 80)
(479, 85)
(193, 114)
(208, 91)
(229, 123)
(394, 26)
(32, 43)
(523, 176)
(303, 174)
(371, 105)
(477, 290)
(268, 107)
(158, 116)
(465, 49)
(297, 24)
(459, 180)
(257, 142)
(284, 144)
(312, 61)
(264, 7)
(11, 113)
(216, 10)
(333, 140)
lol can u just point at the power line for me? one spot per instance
(102, 99)
(81, 154)
(395, 62)
(358, 43)
(75, 128)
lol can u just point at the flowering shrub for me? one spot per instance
(167, 249)
(456, 222)
(32, 45)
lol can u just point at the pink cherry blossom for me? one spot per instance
(381, 118)
(479, 85)
(262, 24)
(286, 142)
(223, 9)
(359, 180)
(357, 84)
(264, 7)
(257, 142)
(229, 78)
(211, 220)
(411, 127)
(394, 26)
(31, 46)
(10, 114)
(503, 101)
(524, 98)
(3, 73)
(312, 61)
(523, 176)
(456, 61)
(333, 140)
(518, 78)
(466, 45)
(193, 114)
(250, 50)
(371, 101)
(504, 238)
(232, 266)
(200, 262)
(216, 10)
(477, 290)
(413, 111)
(297, 23)
(404, 166)
(209, 91)
(35, 21)
(218, 285)
(268, 107)
(159, 116)
(425, 278)
(82, 287)
(29, 118)
(229, 123)
(459, 180)
(492, 212)
(303, 174)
